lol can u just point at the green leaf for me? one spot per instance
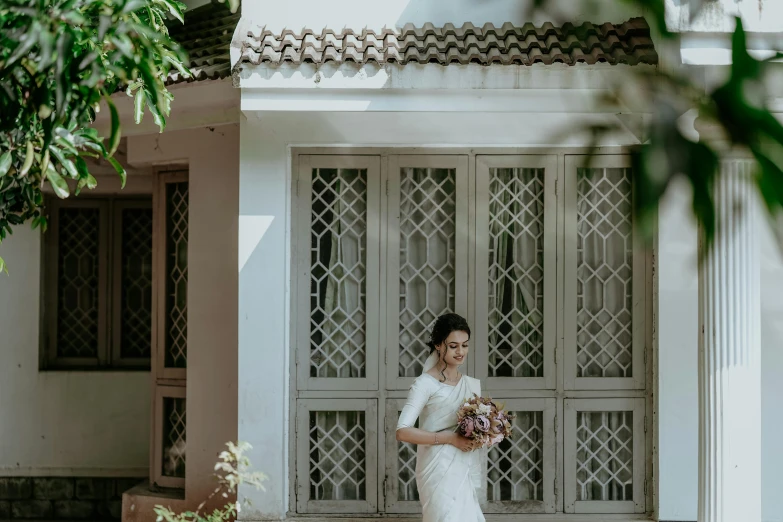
(160, 121)
(67, 164)
(27, 42)
(133, 5)
(116, 134)
(150, 82)
(138, 106)
(3, 267)
(46, 43)
(59, 185)
(28, 159)
(174, 10)
(89, 181)
(177, 63)
(5, 163)
(120, 170)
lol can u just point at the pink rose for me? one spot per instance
(466, 426)
(482, 423)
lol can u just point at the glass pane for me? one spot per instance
(77, 282)
(174, 424)
(516, 273)
(176, 275)
(338, 273)
(604, 273)
(337, 455)
(515, 469)
(604, 455)
(427, 258)
(136, 276)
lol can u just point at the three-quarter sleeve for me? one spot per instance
(418, 396)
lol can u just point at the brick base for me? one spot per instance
(62, 498)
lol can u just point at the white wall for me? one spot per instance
(316, 14)
(60, 423)
(264, 229)
(678, 345)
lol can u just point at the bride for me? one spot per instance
(448, 473)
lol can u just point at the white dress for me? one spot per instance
(448, 479)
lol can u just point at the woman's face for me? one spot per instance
(455, 348)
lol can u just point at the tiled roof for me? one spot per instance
(627, 43)
(206, 36)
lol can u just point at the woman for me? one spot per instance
(448, 473)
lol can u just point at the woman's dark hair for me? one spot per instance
(444, 325)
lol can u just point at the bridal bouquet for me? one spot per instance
(483, 421)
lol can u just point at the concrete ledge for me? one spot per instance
(138, 503)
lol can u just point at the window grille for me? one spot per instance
(98, 266)
(539, 253)
(171, 199)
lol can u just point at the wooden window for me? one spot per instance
(605, 278)
(171, 201)
(98, 283)
(337, 449)
(538, 252)
(604, 455)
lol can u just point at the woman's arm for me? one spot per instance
(418, 396)
(419, 436)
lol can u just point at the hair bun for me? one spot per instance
(443, 326)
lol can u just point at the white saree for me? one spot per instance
(449, 480)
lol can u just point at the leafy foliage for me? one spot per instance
(232, 471)
(58, 60)
(736, 110)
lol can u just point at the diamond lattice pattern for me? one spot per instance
(337, 455)
(604, 273)
(604, 455)
(515, 470)
(427, 259)
(516, 273)
(136, 319)
(406, 470)
(174, 437)
(77, 282)
(338, 273)
(176, 274)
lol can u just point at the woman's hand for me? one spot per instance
(458, 441)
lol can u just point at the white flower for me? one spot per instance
(484, 409)
(239, 508)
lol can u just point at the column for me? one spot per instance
(729, 356)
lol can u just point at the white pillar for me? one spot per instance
(729, 357)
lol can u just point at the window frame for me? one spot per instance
(390, 390)
(639, 286)
(161, 393)
(481, 345)
(458, 162)
(548, 407)
(303, 200)
(304, 503)
(571, 408)
(108, 355)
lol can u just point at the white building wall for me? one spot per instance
(375, 14)
(56, 422)
(264, 235)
